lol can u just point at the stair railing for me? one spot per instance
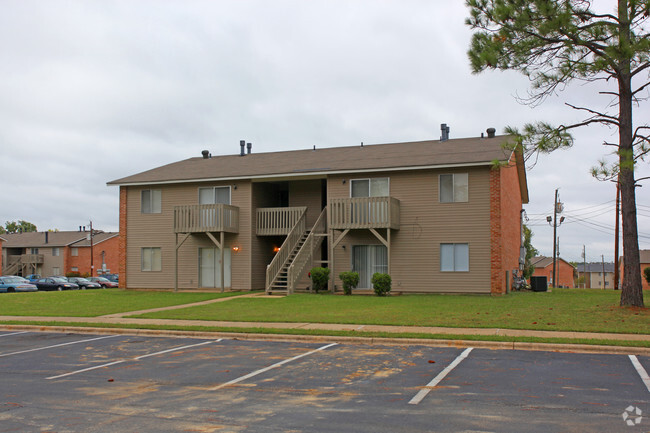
(306, 252)
(273, 269)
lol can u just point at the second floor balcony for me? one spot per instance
(273, 221)
(202, 218)
(364, 213)
(31, 259)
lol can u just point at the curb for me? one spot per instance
(492, 345)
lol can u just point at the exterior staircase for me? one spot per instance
(295, 254)
(280, 285)
(12, 268)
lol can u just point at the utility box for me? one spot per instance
(538, 284)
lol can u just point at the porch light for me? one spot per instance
(276, 249)
(236, 248)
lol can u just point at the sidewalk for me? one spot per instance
(458, 333)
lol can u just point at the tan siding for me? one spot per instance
(306, 193)
(156, 230)
(425, 224)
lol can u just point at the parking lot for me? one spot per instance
(59, 382)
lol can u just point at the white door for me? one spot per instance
(210, 268)
(368, 259)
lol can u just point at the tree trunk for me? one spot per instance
(631, 292)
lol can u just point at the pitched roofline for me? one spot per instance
(94, 243)
(313, 174)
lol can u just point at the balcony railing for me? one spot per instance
(272, 221)
(202, 218)
(31, 259)
(364, 213)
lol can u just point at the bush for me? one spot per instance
(381, 283)
(72, 274)
(646, 274)
(319, 278)
(350, 281)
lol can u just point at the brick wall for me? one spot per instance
(122, 238)
(564, 274)
(505, 226)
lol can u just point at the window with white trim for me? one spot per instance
(55, 251)
(74, 251)
(454, 187)
(214, 195)
(375, 187)
(151, 259)
(151, 201)
(454, 257)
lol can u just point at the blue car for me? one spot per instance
(54, 283)
(13, 284)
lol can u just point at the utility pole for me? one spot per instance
(602, 257)
(618, 211)
(584, 264)
(92, 266)
(557, 208)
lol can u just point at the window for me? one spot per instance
(454, 257)
(34, 251)
(55, 251)
(151, 260)
(377, 187)
(74, 269)
(151, 201)
(453, 187)
(214, 195)
(368, 259)
(74, 251)
(56, 271)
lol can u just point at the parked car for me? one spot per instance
(52, 283)
(112, 277)
(33, 277)
(84, 283)
(104, 282)
(12, 284)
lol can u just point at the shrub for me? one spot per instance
(319, 278)
(350, 281)
(72, 274)
(381, 283)
(646, 274)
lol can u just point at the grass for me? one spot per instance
(92, 303)
(583, 310)
(260, 330)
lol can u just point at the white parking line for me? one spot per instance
(427, 389)
(57, 345)
(14, 333)
(137, 358)
(270, 367)
(639, 368)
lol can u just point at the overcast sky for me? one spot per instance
(92, 91)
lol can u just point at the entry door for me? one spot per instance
(368, 259)
(210, 268)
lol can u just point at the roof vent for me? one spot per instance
(445, 132)
(491, 132)
(206, 154)
(242, 144)
(249, 147)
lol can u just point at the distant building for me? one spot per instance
(595, 276)
(644, 256)
(57, 253)
(544, 268)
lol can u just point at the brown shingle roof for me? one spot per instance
(466, 151)
(97, 238)
(37, 239)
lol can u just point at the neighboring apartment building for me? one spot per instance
(438, 216)
(595, 276)
(566, 272)
(59, 252)
(644, 256)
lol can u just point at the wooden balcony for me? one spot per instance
(364, 213)
(31, 259)
(203, 218)
(274, 221)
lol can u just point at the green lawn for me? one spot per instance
(561, 309)
(92, 303)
